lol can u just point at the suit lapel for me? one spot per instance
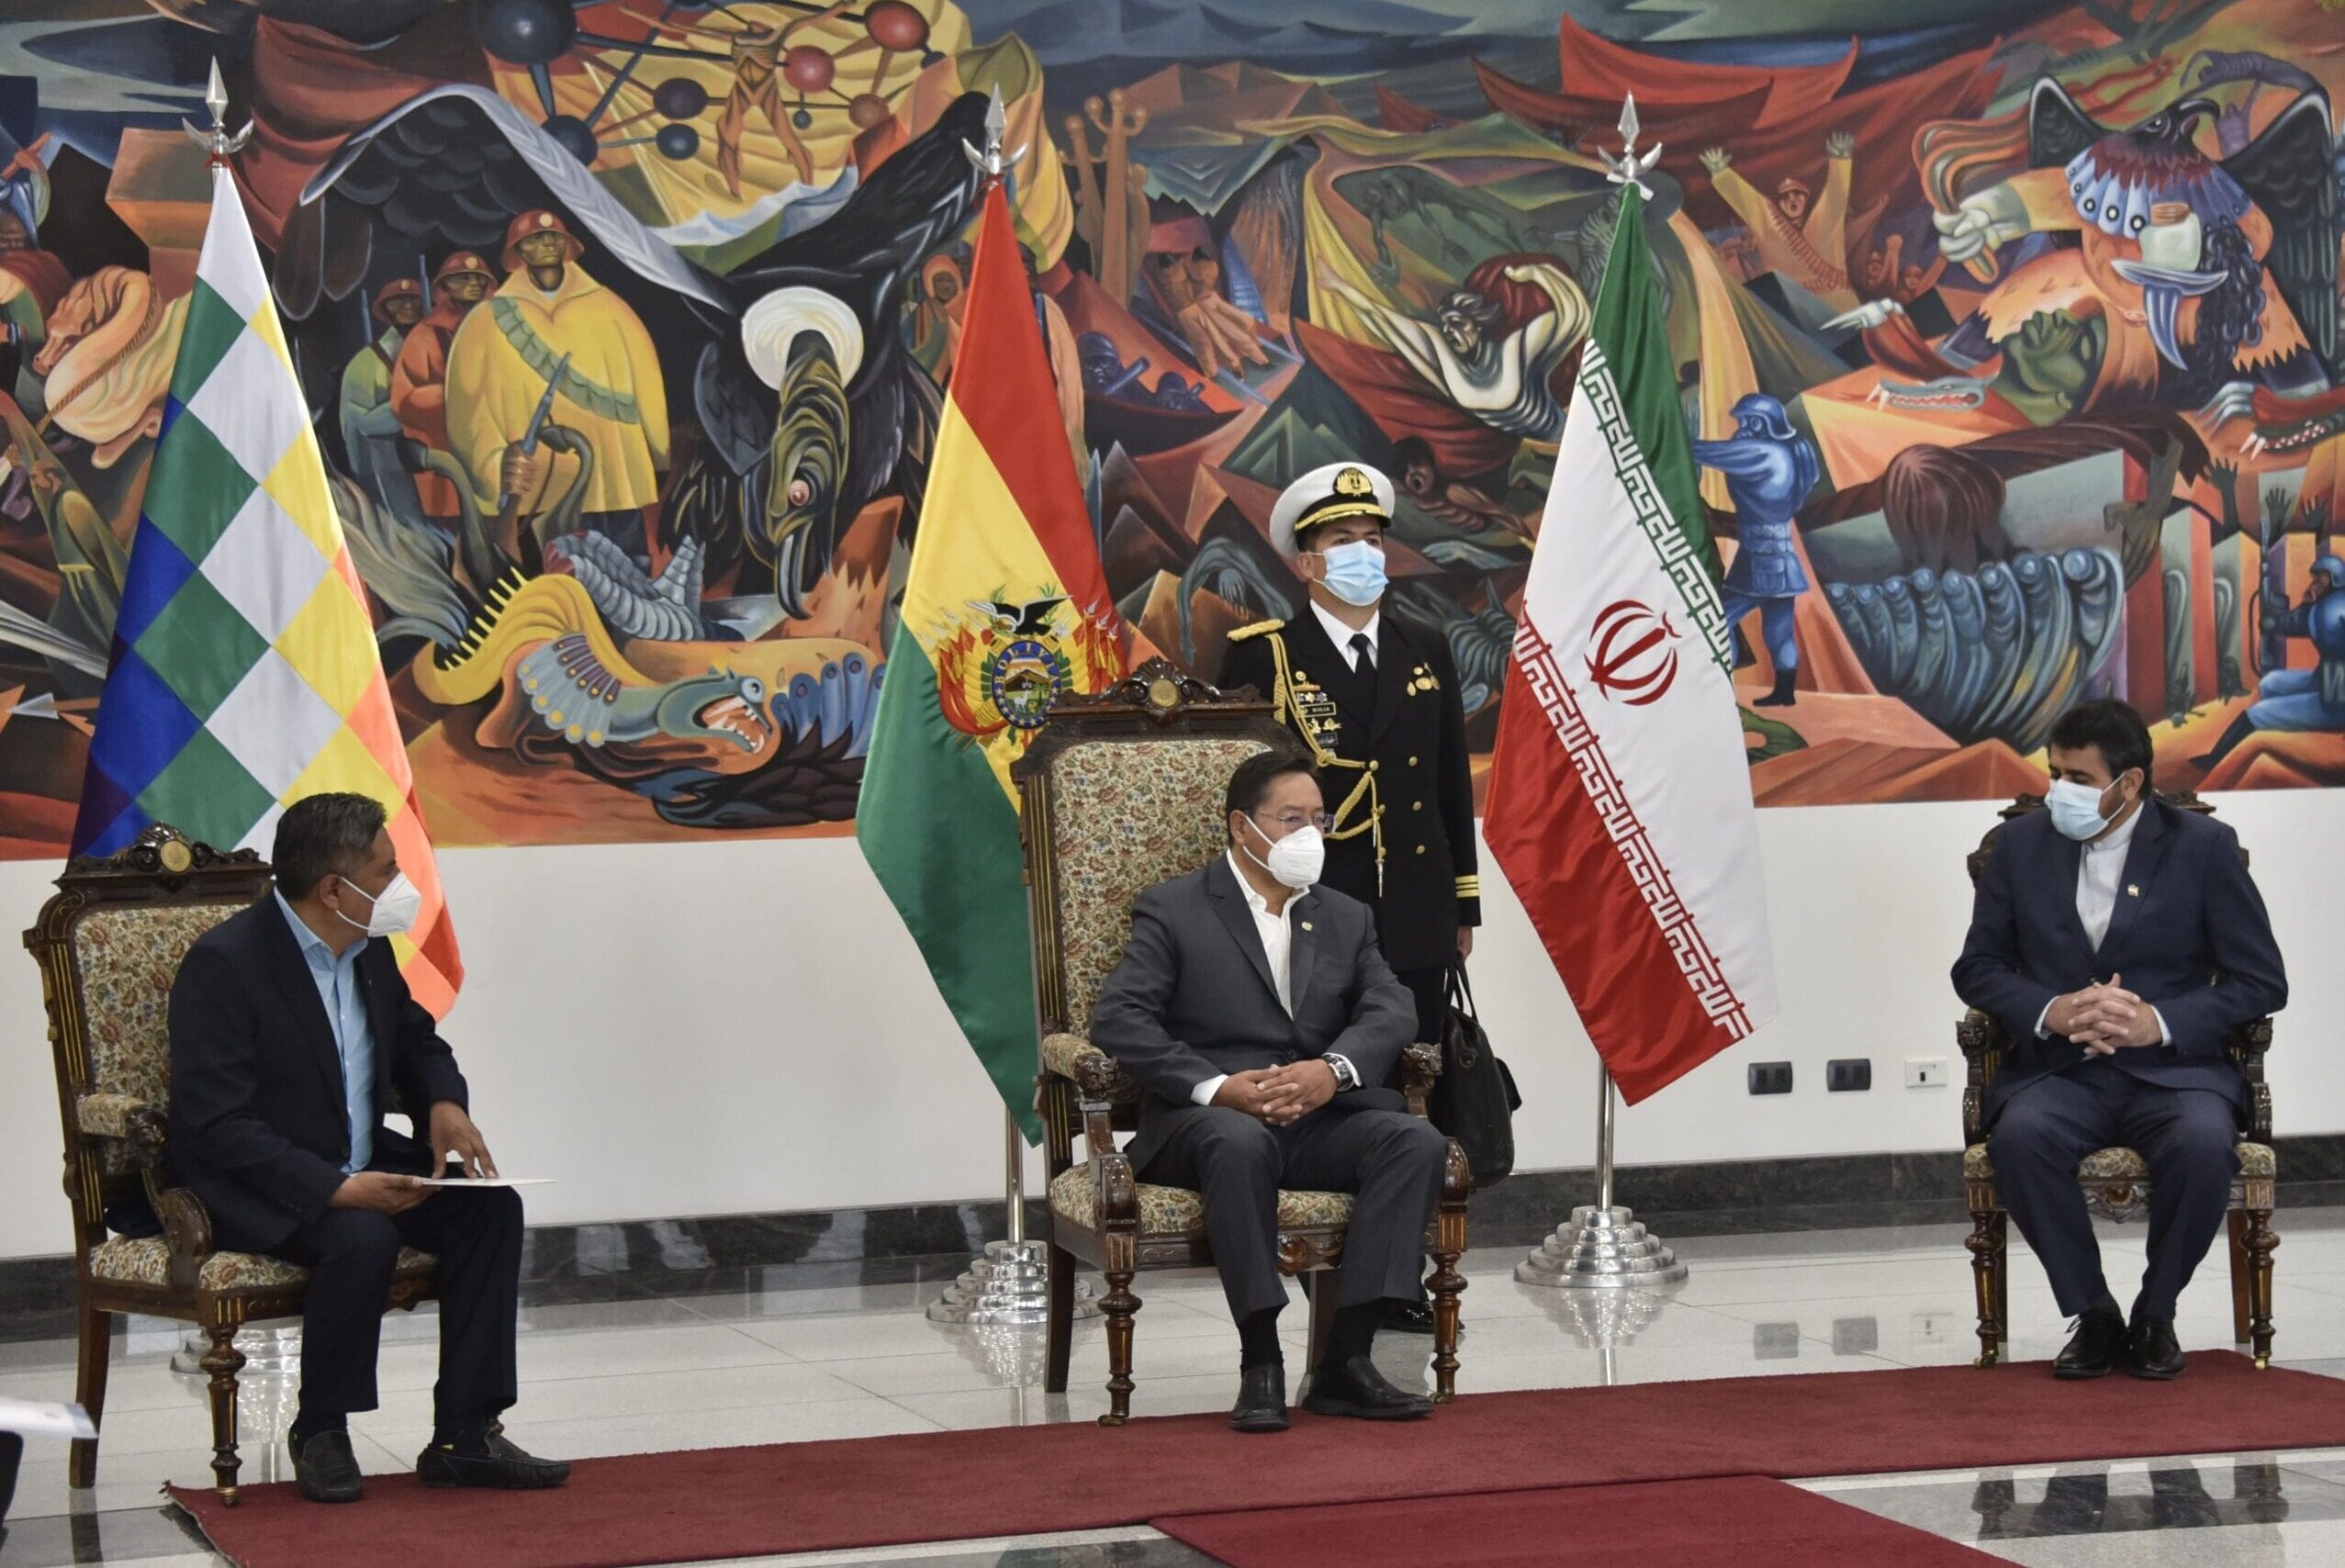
(1303, 950)
(288, 969)
(2068, 859)
(1393, 663)
(1353, 695)
(2144, 856)
(1238, 917)
(380, 1019)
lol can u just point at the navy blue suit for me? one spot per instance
(2189, 935)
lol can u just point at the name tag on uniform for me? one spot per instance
(1313, 706)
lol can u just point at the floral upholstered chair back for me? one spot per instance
(1128, 813)
(109, 944)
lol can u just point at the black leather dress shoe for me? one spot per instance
(2152, 1351)
(1410, 1318)
(1261, 1400)
(1356, 1387)
(325, 1468)
(2095, 1348)
(503, 1466)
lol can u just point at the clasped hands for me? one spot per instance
(453, 1138)
(1279, 1095)
(2103, 1018)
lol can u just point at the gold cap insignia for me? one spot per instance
(1353, 482)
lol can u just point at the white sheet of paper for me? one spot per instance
(36, 1419)
(484, 1180)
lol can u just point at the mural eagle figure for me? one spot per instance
(2181, 225)
(808, 405)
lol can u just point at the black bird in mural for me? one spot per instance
(808, 405)
(2149, 182)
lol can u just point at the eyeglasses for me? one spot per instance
(1295, 822)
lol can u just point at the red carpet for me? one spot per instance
(669, 1508)
(1745, 1519)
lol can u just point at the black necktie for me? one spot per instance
(1363, 657)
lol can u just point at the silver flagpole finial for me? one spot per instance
(1631, 167)
(991, 161)
(218, 144)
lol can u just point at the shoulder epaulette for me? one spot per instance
(1255, 629)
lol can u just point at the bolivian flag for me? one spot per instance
(1006, 609)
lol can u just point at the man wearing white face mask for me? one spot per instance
(2118, 940)
(1375, 702)
(290, 1030)
(1260, 1022)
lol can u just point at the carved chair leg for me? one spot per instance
(2261, 1243)
(1061, 1331)
(2242, 1268)
(1119, 1305)
(1322, 1297)
(1444, 1287)
(89, 1392)
(1987, 1242)
(223, 1362)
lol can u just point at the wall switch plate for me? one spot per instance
(1848, 1072)
(1931, 1327)
(1925, 1073)
(1770, 1078)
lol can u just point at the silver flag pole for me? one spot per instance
(1602, 1245)
(1008, 1284)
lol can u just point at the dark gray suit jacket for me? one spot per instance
(2188, 935)
(1191, 997)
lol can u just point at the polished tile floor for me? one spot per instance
(784, 1365)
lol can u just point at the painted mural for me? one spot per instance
(2008, 333)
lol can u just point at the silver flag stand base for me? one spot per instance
(1601, 1246)
(1598, 1250)
(1009, 1283)
(270, 1349)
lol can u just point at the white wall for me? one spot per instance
(745, 1025)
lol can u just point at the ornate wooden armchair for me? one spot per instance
(2115, 1181)
(1119, 791)
(109, 944)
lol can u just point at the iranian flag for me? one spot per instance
(1006, 611)
(1619, 800)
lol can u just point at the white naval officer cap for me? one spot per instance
(1325, 493)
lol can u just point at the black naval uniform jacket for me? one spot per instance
(1407, 726)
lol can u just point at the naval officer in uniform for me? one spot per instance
(1375, 703)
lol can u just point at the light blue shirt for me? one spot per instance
(338, 987)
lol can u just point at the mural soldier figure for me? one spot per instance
(2300, 699)
(420, 377)
(611, 394)
(370, 426)
(1375, 704)
(1802, 238)
(1769, 469)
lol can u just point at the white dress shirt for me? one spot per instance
(1342, 635)
(2099, 870)
(1277, 933)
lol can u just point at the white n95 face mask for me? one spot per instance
(396, 907)
(1295, 860)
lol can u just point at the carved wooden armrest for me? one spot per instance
(2249, 1042)
(1984, 1043)
(1118, 1189)
(186, 1231)
(2247, 1046)
(1093, 1070)
(1421, 1065)
(126, 1117)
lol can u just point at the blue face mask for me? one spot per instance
(1356, 572)
(2076, 809)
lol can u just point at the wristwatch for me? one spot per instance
(1346, 1076)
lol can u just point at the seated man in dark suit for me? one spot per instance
(290, 1026)
(2119, 940)
(1261, 1024)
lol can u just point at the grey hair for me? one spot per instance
(323, 835)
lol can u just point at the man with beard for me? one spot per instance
(1501, 381)
(419, 378)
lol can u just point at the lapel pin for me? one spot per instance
(2133, 890)
(1306, 925)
